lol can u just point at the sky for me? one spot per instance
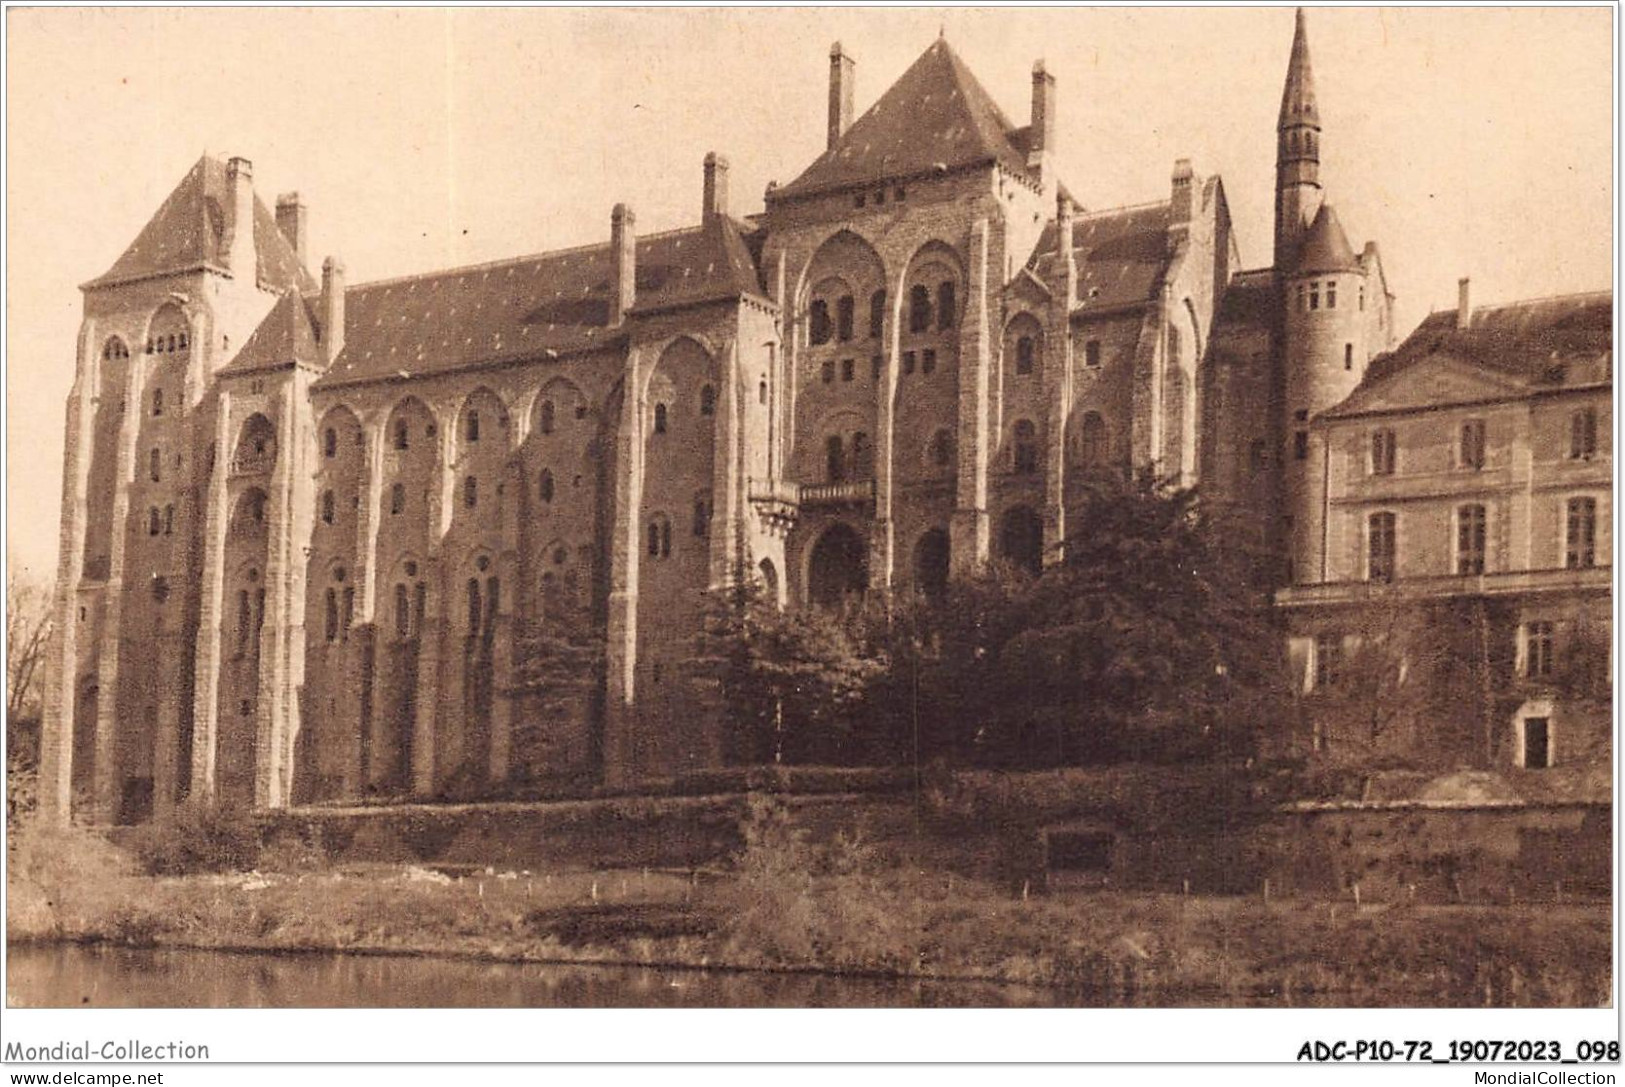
(1466, 142)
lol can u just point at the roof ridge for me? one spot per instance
(502, 262)
(1601, 292)
(1083, 214)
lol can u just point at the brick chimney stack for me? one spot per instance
(290, 220)
(237, 250)
(332, 303)
(1464, 304)
(623, 263)
(716, 187)
(842, 77)
(1042, 136)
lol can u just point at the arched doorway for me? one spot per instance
(838, 568)
(770, 582)
(931, 563)
(1021, 539)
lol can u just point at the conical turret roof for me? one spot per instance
(1326, 248)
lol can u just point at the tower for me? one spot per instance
(1297, 153)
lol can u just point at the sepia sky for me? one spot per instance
(1464, 141)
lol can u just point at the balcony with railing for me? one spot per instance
(854, 492)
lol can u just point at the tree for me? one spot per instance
(792, 684)
(28, 637)
(559, 663)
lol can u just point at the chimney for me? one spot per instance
(841, 79)
(1042, 133)
(1183, 186)
(290, 220)
(716, 187)
(1464, 305)
(1064, 231)
(623, 262)
(332, 309)
(237, 246)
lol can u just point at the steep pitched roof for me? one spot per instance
(185, 235)
(286, 337)
(1540, 343)
(1121, 255)
(546, 304)
(937, 115)
(1325, 247)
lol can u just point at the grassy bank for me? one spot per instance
(842, 905)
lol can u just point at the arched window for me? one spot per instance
(327, 507)
(1024, 355)
(946, 305)
(420, 604)
(1025, 447)
(471, 492)
(493, 597)
(708, 400)
(702, 516)
(397, 498)
(155, 463)
(660, 418)
(1173, 346)
(877, 314)
(659, 537)
(654, 539)
(942, 449)
(473, 604)
(471, 427)
(169, 520)
(330, 443)
(545, 423)
(258, 507)
(331, 625)
(834, 459)
(1092, 441)
(349, 610)
(546, 486)
(761, 393)
(863, 457)
(171, 342)
(402, 439)
(244, 618)
(152, 521)
(157, 402)
(919, 308)
(818, 322)
(403, 613)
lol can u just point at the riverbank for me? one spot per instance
(841, 906)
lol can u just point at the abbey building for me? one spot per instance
(317, 535)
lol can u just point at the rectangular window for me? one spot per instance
(1091, 354)
(875, 363)
(1538, 649)
(1379, 564)
(1470, 535)
(1300, 444)
(844, 309)
(848, 369)
(908, 362)
(1537, 743)
(877, 314)
(1382, 452)
(1303, 303)
(1331, 294)
(1348, 356)
(1328, 659)
(1314, 295)
(1582, 533)
(1472, 444)
(928, 360)
(1583, 435)
(827, 371)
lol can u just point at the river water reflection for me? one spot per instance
(101, 976)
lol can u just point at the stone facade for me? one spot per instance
(444, 534)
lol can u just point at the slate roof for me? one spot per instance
(1540, 343)
(1121, 255)
(287, 336)
(1325, 248)
(549, 303)
(937, 115)
(1249, 300)
(185, 235)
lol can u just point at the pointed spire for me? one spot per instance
(1298, 96)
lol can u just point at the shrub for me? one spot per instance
(62, 882)
(198, 837)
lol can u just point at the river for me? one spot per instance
(118, 977)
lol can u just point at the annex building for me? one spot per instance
(316, 534)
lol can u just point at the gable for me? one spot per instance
(1438, 380)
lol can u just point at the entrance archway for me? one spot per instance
(839, 566)
(770, 582)
(1021, 539)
